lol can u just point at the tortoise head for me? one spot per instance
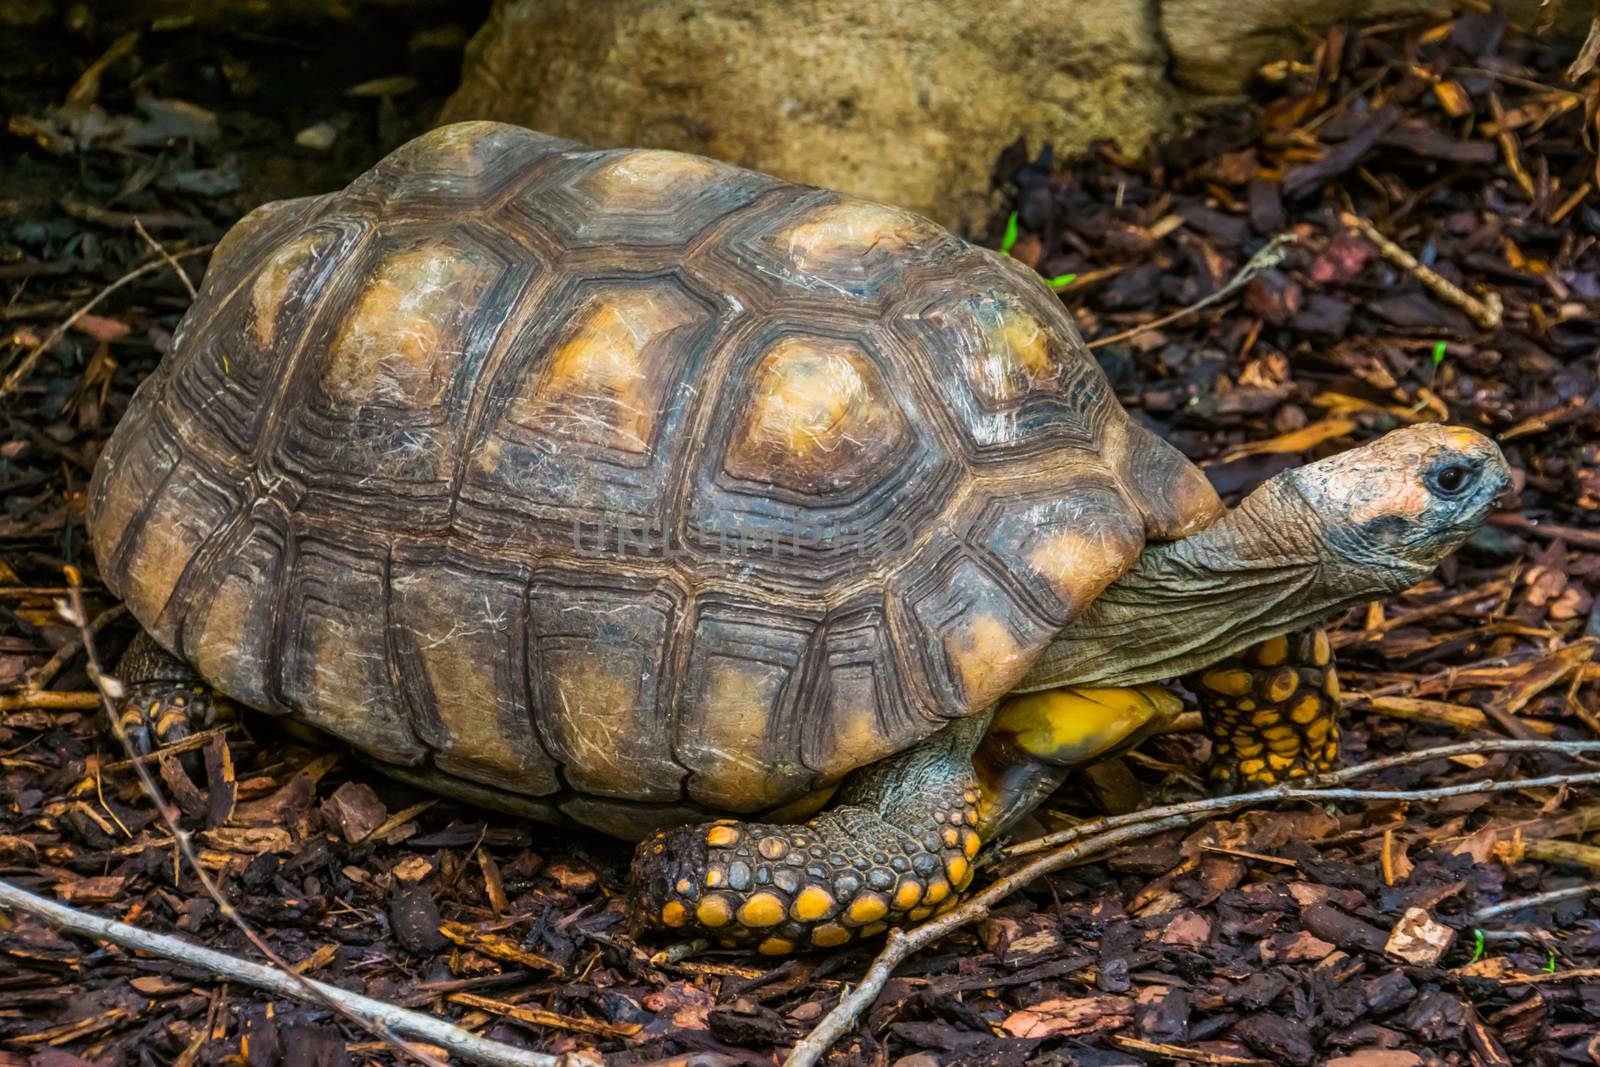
(1308, 543)
(1402, 503)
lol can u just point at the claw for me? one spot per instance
(159, 715)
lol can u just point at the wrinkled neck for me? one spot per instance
(1265, 568)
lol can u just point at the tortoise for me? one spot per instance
(782, 531)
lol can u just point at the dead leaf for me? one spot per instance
(1418, 939)
(1070, 1015)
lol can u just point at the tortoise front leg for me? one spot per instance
(164, 699)
(1037, 738)
(1272, 711)
(896, 848)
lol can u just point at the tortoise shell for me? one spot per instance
(627, 483)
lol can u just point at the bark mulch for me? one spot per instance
(1260, 938)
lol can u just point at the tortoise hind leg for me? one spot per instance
(896, 847)
(1272, 711)
(164, 699)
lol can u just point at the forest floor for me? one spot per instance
(1262, 937)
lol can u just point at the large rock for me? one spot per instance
(906, 102)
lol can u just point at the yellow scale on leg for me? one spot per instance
(1272, 711)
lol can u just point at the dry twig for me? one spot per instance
(49, 700)
(1093, 838)
(1316, 786)
(1269, 256)
(25, 366)
(1486, 313)
(161, 250)
(1538, 900)
(372, 1012)
(109, 689)
(45, 674)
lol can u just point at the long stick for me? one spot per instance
(25, 366)
(1269, 256)
(399, 1020)
(1289, 790)
(72, 609)
(1486, 313)
(900, 944)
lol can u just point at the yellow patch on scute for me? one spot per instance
(597, 715)
(166, 543)
(986, 658)
(604, 383)
(1080, 562)
(839, 234)
(819, 417)
(1017, 356)
(646, 178)
(722, 749)
(399, 344)
(288, 269)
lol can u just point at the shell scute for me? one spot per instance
(1063, 548)
(819, 419)
(233, 351)
(974, 639)
(638, 198)
(826, 247)
(1011, 366)
(584, 424)
(402, 342)
(475, 163)
(230, 627)
(820, 462)
(860, 710)
(460, 650)
(333, 663)
(740, 708)
(597, 652)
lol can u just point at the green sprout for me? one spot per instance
(1010, 237)
(1438, 352)
(1550, 968)
(1477, 946)
(1061, 281)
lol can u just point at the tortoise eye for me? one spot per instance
(1451, 480)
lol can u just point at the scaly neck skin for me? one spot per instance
(1267, 567)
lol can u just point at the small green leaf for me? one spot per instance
(1438, 352)
(1010, 237)
(1061, 281)
(1477, 946)
(1550, 968)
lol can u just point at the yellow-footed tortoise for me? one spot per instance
(630, 490)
